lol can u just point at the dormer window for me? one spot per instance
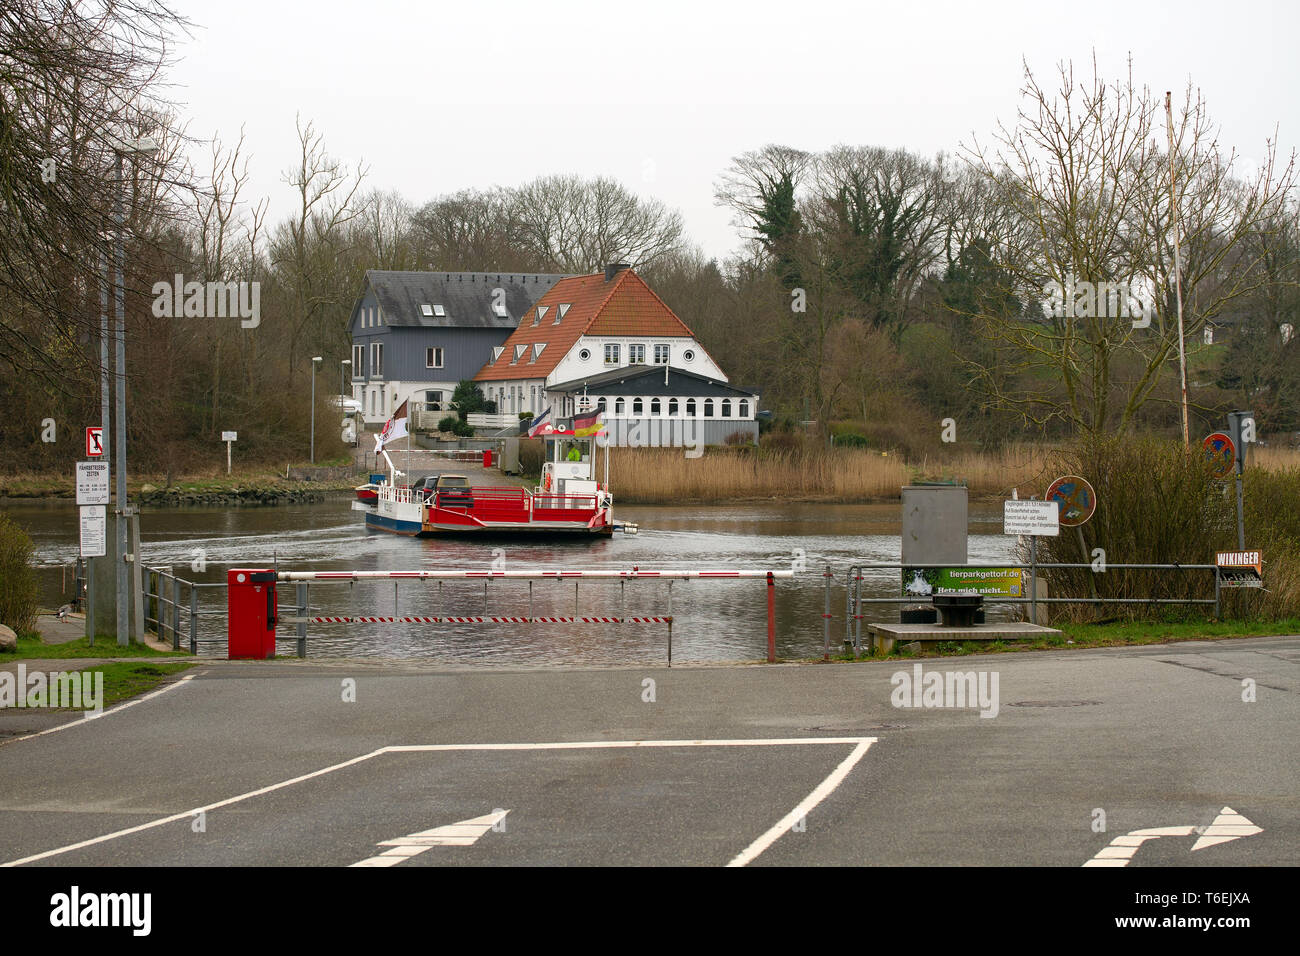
(519, 353)
(541, 314)
(496, 351)
(537, 351)
(560, 312)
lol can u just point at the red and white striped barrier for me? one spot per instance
(634, 573)
(478, 620)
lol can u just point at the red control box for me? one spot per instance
(252, 610)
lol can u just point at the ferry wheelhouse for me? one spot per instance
(569, 501)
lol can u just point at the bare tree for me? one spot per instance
(75, 79)
(1087, 191)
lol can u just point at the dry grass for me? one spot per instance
(809, 473)
(664, 475)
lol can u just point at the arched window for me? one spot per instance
(742, 409)
(600, 404)
(655, 408)
(690, 408)
(618, 407)
(726, 408)
(708, 408)
(672, 407)
(637, 407)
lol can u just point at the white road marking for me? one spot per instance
(804, 807)
(465, 833)
(861, 744)
(1228, 825)
(82, 721)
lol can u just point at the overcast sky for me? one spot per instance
(436, 97)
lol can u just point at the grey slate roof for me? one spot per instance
(648, 380)
(467, 297)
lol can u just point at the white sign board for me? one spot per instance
(92, 483)
(230, 436)
(94, 531)
(1031, 517)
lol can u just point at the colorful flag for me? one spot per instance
(539, 424)
(587, 424)
(394, 428)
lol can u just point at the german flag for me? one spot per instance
(587, 424)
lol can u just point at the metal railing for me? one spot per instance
(163, 604)
(853, 599)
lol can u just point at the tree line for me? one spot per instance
(874, 291)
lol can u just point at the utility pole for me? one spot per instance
(1178, 267)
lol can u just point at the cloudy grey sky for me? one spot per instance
(436, 96)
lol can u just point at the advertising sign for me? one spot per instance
(990, 582)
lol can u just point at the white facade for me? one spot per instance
(380, 399)
(589, 356)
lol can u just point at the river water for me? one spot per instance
(714, 620)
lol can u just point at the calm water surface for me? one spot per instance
(714, 620)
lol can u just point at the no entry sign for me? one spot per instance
(1221, 453)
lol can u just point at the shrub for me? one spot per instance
(448, 424)
(463, 429)
(17, 578)
(525, 416)
(1158, 504)
(851, 440)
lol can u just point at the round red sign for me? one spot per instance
(1221, 453)
(1075, 497)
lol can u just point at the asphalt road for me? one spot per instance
(1156, 737)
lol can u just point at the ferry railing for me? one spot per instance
(854, 601)
(304, 579)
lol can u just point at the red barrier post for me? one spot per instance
(771, 618)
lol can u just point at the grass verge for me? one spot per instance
(30, 646)
(1117, 634)
(123, 680)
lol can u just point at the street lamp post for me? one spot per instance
(144, 146)
(315, 363)
(342, 378)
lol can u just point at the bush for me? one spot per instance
(463, 429)
(17, 578)
(449, 423)
(525, 416)
(1158, 504)
(851, 440)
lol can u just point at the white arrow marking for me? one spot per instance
(1228, 825)
(464, 833)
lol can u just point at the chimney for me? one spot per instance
(613, 269)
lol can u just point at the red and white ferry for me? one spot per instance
(568, 502)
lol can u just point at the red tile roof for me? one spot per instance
(624, 305)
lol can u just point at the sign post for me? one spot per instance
(1032, 517)
(1241, 426)
(94, 441)
(228, 438)
(93, 493)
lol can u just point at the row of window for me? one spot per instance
(636, 354)
(636, 408)
(371, 317)
(433, 358)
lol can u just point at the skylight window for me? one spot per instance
(439, 310)
(426, 309)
